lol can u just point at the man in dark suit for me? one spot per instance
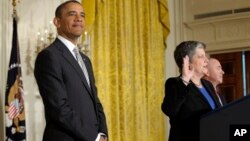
(215, 76)
(66, 83)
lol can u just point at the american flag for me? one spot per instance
(14, 103)
(13, 109)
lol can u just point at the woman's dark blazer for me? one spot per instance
(73, 111)
(184, 105)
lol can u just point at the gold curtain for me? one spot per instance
(127, 52)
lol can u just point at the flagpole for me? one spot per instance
(15, 19)
(14, 4)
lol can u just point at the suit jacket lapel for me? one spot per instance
(199, 94)
(212, 93)
(70, 58)
(209, 92)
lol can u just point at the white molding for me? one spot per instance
(225, 34)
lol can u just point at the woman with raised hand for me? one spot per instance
(188, 96)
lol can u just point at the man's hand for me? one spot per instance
(103, 138)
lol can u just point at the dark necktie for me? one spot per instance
(82, 64)
(219, 99)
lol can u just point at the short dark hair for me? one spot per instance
(58, 12)
(186, 48)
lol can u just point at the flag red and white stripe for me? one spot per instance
(13, 110)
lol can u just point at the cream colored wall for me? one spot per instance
(5, 40)
(225, 33)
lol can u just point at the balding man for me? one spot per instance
(215, 76)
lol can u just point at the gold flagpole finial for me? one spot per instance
(14, 4)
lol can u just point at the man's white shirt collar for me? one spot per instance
(68, 44)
